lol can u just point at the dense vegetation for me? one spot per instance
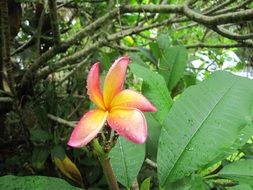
(199, 138)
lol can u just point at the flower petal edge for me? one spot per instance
(115, 79)
(132, 99)
(93, 86)
(129, 123)
(87, 128)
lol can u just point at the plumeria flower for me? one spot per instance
(121, 109)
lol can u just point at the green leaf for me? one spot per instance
(41, 115)
(241, 171)
(163, 41)
(247, 150)
(154, 47)
(193, 182)
(40, 154)
(241, 187)
(39, 135)
(208, 122)
(68, 168)
(155, 89)
(135, 58)
(11, 182)
(146, 184)
(190, 79)
(154, 129)
(106, 59)
(126, 160)
(147, 53)
(58, 151)
(172, 60)
(172, 64)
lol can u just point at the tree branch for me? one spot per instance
(99, 43)
(74, 70)
(226, 46)
(37, 34)
(218, 7)
(231, 35)
(5, 45)
(65, 45)
(231, 9)
(235, 17)
(245, 15)
(54, 20)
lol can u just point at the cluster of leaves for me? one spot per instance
(200, 138)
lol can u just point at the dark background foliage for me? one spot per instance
(47, 48)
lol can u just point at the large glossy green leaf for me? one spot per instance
(207, 123)
(193, 182)
(241, 187)
(126, 160)
(241, 171)
(11, 182)
(247, 150)
(154, 88)
(154, 129)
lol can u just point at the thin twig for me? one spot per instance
(6, 100)
(151, 163)
(79, 65)
(61, 121)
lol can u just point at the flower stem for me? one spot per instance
(106, 165)
(110, 177)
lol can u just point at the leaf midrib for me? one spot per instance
(200, 126)
(124, 163)
(235, 175)
(173, 66)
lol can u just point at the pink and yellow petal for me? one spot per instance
(114, 80)
(129, 123)
(87, 128)
(93, 86)
(133, 99)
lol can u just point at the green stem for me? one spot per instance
(106, 165)
(110, 177)
(211, 176)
